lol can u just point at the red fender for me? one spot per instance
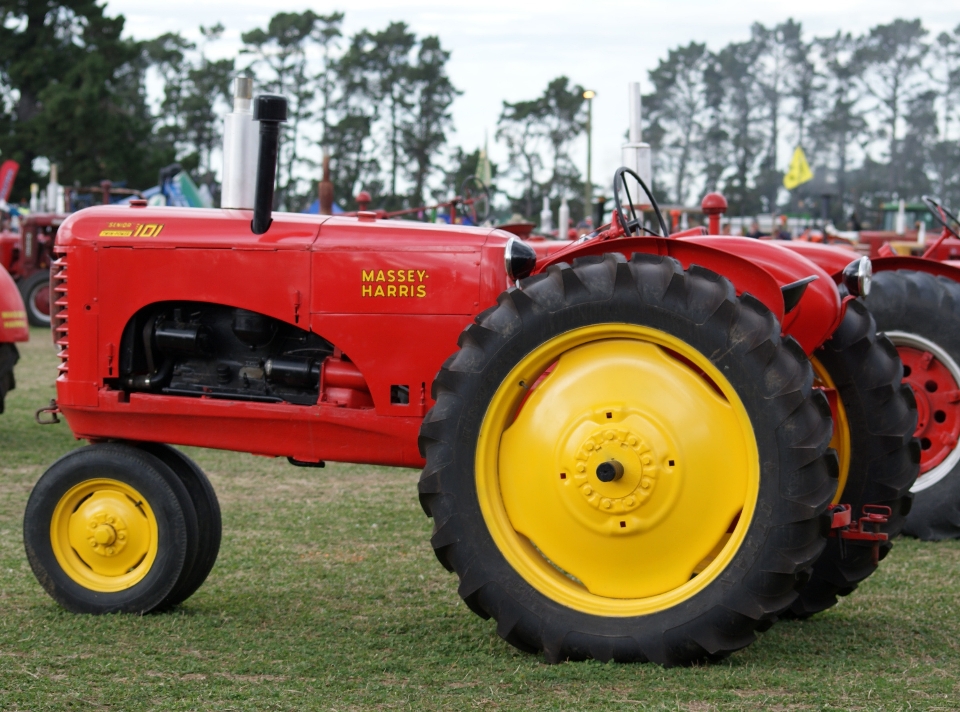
(13, 316)
(832, 258)
(754, 267)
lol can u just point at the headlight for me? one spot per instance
(857, 277)
(519, 259)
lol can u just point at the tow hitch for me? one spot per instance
(867, 528)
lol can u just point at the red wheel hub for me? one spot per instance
(938, 404)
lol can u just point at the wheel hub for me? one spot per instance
(104, 535)
(938, 404)
(108, 533)
(614, 472)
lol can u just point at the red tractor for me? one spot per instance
(13, 329)
(916, 302)
(27, 255)
(625, 444)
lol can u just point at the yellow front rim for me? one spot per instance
(841, 429)
(681, 438)
(104, 535)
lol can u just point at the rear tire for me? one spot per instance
(884, 458)
(736, 340)
(909, 304)
(8, 359)
(108, 529)
(35, 290)
(204, 500)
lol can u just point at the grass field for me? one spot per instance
(327, 596)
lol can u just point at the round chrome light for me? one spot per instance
(519, 259)
(857, 276)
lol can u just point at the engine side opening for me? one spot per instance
(201, 349)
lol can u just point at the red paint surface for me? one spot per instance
(322, 273)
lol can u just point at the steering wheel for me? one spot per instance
(635, 225)
(941, 214)
(476, 199)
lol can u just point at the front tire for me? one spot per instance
(35, 291)
(690, 393)
(108, 529)
(205, 503)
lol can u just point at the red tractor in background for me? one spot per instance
(633, 447)
(916, 303)
(13, 329)
(27, 254)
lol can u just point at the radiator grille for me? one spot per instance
(58, 309)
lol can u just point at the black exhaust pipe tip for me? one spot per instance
(270, 110)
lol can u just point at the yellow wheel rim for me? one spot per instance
(680, 509)
(841, 429)
(104, 535)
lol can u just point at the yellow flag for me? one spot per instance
(799, 172)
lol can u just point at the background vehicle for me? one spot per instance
(13, 329)
(916, 302)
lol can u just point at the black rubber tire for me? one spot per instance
(28, 290)
(884, 455)
(792, 427)
(928, 306)
(8, 359)
(207, 507)
(171, 505)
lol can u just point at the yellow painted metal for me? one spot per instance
(104, 535)
(841, 429)
(631, 546)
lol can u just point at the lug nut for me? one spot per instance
(609, 471)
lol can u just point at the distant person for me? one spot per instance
(755, 231)
(782, 232)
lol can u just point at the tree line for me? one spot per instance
(74, 93)
(875, 113)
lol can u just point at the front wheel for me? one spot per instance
(625, 461)
(35, 291)
(109, 528)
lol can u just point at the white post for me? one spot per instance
(635, 153)
(546, 217)
(563, 220)
(900, 226)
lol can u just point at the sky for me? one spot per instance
(509, 51)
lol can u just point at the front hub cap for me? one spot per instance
(624, 481)
(104, 535)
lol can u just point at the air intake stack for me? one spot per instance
(240, 149)
(636, 153)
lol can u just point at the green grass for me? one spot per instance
(327, 595)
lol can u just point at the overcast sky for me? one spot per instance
(504, 50)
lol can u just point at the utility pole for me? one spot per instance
(588, 189)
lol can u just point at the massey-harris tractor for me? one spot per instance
(624, 446)
(13, 329)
